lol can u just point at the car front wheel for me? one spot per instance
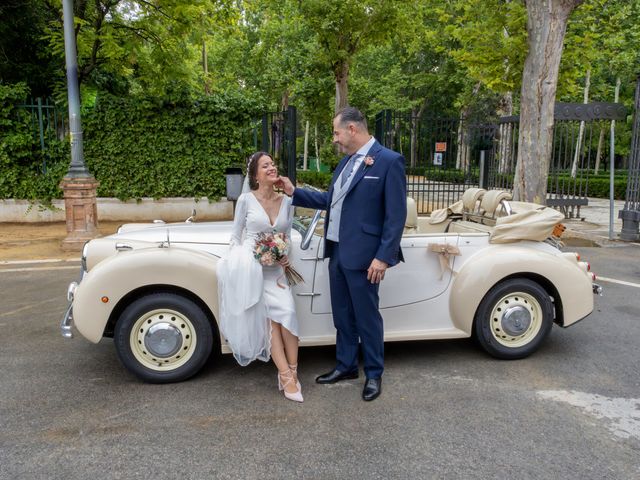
(163, 337)
(513, 318)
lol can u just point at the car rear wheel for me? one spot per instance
(163, 337)
(513, 318)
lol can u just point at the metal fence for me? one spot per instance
(445, 156)
(580, 150)
(630, 214)
(48, 123)
(278, 137)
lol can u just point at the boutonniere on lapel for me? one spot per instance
(369, 161)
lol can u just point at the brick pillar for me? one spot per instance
(81, 211)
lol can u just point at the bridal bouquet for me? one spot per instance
(269, 250)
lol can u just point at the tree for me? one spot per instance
(132, 46)
(546, 27)
(24, 56)
(343, 27)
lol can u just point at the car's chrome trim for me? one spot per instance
(306, 240)
(123, 246)
(308, 294)
(67, 322)
(597, 289)
(71, 290)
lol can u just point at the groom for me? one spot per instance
(366, 211)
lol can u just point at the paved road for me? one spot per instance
(68, 410)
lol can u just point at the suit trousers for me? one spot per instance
(354, 301)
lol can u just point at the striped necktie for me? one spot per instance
(346, 173)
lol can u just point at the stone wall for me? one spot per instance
(112, 209)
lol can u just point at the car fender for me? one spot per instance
(496, 263)
(111, 280)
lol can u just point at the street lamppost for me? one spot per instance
(78, 185)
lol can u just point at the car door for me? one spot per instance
(419, 278)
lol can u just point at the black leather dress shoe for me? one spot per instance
(336, 375)
(372, 389)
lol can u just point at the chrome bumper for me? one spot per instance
(67, 319)
(67, 322)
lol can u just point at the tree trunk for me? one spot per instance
(505, 141)
(599, 151)
(460, 140)
(546, 27)
(342, 85)
(415, 121)
(315, 136)
(464, 149)
(306, 146)
(616, 97)
(578, 152)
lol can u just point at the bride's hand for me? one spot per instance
(284, 261)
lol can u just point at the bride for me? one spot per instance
(257, 312)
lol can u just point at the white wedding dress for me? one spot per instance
(249, 294)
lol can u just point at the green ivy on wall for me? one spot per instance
(138, 148)
(134, 147)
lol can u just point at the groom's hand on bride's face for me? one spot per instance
(285, 184)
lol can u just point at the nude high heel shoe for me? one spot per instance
(284, 379)
(294, 369)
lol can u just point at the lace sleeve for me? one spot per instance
(239, 221)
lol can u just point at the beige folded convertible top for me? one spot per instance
(528, 221)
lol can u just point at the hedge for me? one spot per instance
(22, 161)
(135, 147)
(317, 179)
(139, 148)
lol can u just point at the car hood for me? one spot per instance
(204, 232)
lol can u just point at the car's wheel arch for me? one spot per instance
(544, 282)
(479, 275)
(117, 281)
(145, 290)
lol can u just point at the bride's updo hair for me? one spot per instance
(252, 168)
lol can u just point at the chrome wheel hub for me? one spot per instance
(163, 339)
(516, 320)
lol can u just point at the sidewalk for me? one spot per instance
(592, 229)
(26, 242)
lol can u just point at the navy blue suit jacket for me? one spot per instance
(374, 210)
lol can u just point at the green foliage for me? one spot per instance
(597, 187)
(329, 155)
(460, 57)
(135, 147)
(317, 179)
(21, 159)
(141, 147)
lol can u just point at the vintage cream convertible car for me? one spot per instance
(484, 267)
